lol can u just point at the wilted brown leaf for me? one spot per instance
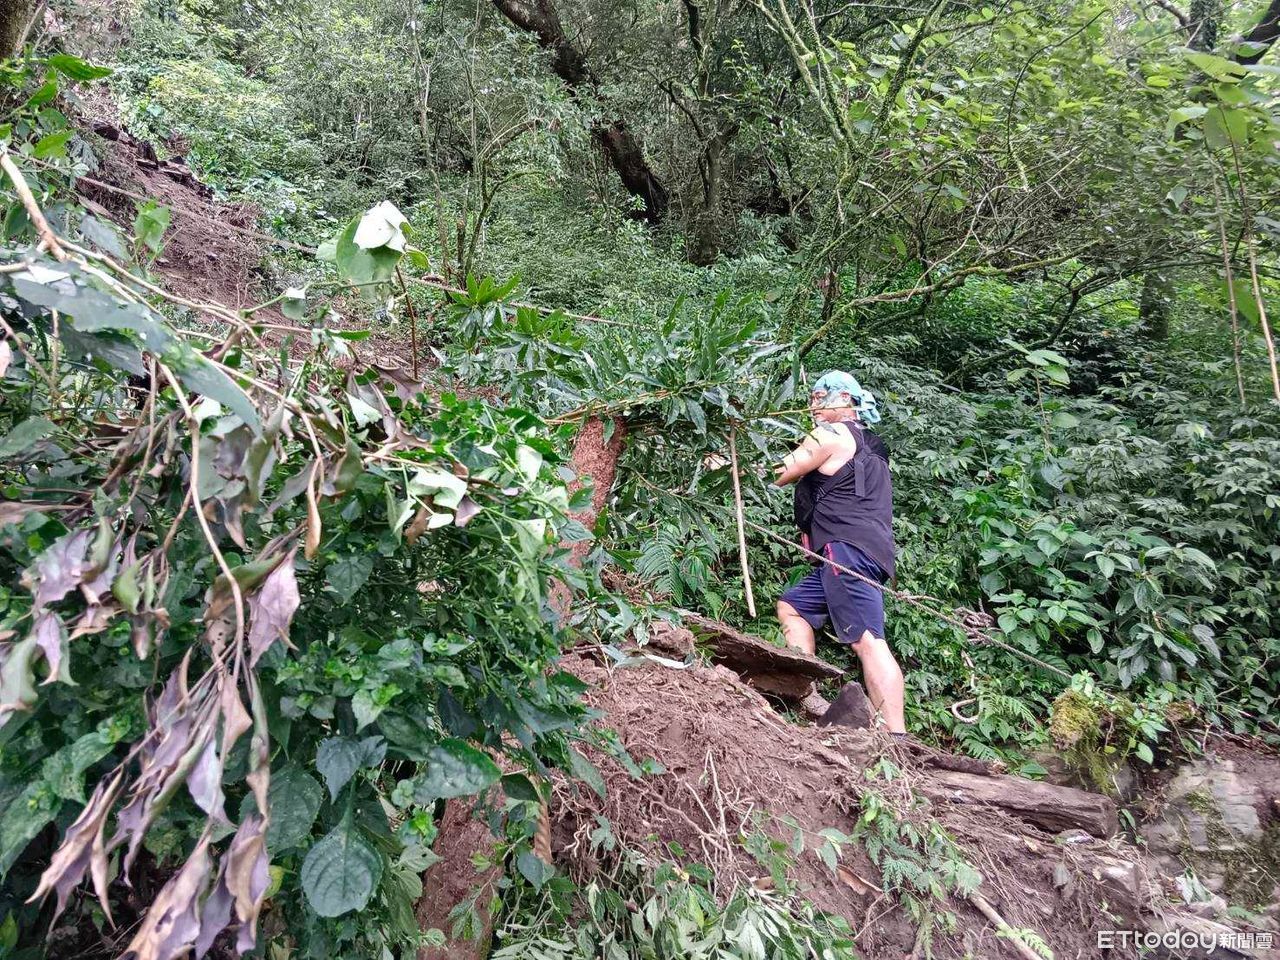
(59, 569)
(205, 782)
(246, 875)
(271, 609)
(417, 526)
(170, 927)
(51, 638)
(235, 718)
(313, 517)
(467, 509)
(17, 676)
(82, 849)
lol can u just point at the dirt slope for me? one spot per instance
(733, 766)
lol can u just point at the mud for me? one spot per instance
(733, 769)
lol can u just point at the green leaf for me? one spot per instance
(295, 798)
(92, 311)
(381, 226)
(293, 303)
(200, 376)
(348, 574)
(1182, 115)
(23, 819)
(1219, 68)
(338, 759)
(150, 224)
(1143, 752)
(455, 769)
(1223, 127)
(533, 869)
(340, 872)
(519, 787)
(45, 94)
(361, 265)
(103, 236)
(52, 145)
(64, 771)
(585, 771)
(73, 68)
(25, 435)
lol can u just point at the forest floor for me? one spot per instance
(735, 768)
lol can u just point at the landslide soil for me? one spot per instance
(732, 767)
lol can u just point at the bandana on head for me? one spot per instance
(837, 382)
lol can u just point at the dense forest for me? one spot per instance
(389, 397)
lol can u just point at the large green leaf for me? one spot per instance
(338, 759)
(25, 817)
(76, 69)
(363, 265)
(340, 872)
(346, 575)
(64, 771)
(201, 376)
(25, 435)
(90, 310)
(455, 769)
(295, 798)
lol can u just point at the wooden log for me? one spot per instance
(1047, 806)
(780, 671)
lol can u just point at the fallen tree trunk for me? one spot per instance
(1047, 806)
(779, 671)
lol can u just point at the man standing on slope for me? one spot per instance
(844, 509)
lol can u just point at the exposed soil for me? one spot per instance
(733, 767)
(214, 250)
(204, 257)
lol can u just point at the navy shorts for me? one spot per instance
(852, 605)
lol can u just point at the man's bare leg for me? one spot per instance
(883, 677)
(795, 629)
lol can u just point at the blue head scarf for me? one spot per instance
(836, 382)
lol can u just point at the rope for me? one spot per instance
(974, 624)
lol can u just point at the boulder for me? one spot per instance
(1218, 819)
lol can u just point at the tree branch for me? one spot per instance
(1183, 20)
(1263, 35)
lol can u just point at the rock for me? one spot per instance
(1212, 909)
(1217, 821)
(850, 709)
(1120, 781)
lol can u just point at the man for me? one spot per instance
(844, 509)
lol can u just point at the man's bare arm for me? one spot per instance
(807, 457)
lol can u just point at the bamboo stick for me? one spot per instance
(742, 530)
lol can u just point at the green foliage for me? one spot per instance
(668, 911)
(216, 598)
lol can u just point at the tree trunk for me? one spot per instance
(620, 145)
(1156, 304)
(1049, 807)
(1206, 17)
(14, 15)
